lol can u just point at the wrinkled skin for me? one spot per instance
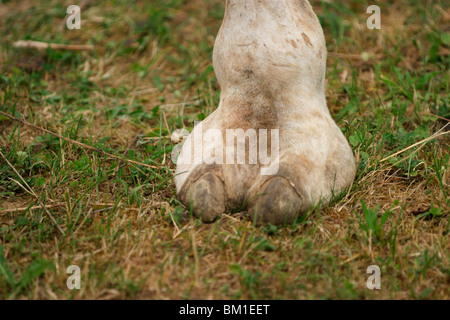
(270, 60)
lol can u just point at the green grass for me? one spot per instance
(151, 73)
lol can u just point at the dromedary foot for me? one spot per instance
(276, 202)
(206, 197)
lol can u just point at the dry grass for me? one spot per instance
(151, 73)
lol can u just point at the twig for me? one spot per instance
(434, 136)
(56, 46)
(439, 117)
(20, 185)
(142, 92)
(76, 142)
(350, 259)
(181, 104)
(55, 205)
(49, 206)
(156, 138)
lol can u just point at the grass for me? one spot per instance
(62, 204)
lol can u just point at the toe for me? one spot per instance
(277, 203)
(207, 197)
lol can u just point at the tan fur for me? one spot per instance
(270, 60)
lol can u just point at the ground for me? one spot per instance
(150, 73)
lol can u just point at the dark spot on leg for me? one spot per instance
(307, 40)
(247, 74)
